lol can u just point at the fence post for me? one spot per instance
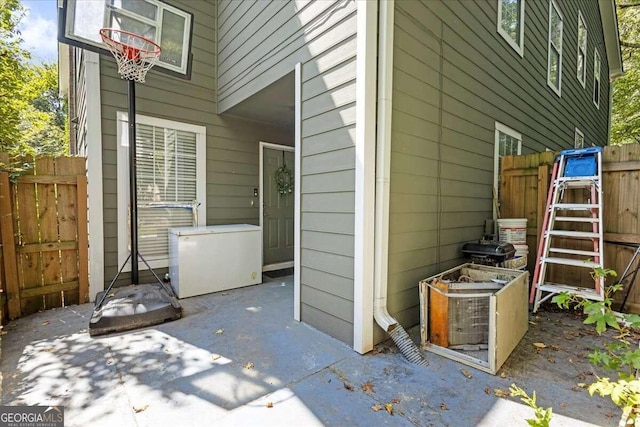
(9, 248)
(83, 240)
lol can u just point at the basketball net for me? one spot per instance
(134, 54)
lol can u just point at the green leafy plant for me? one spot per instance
(621, 356)
(542, 415)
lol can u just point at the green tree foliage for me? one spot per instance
(33, 115)
(625, 120)
(12, 65)
(43, 124)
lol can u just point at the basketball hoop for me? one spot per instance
(134, 54)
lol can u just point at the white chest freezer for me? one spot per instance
(214, 258)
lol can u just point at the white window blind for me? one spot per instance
(166, 178)
(171, 184)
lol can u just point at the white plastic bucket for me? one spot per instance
(512, 230)
(520, 258)
(521, 250)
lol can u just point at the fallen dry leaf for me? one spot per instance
(532, 322)
(248, 365)
(466, 373)
(503, 375)
(500, 393)
(269, 404)
(389, 408)
(137, 409)
(367, 386)
(539, 345)
(550, 360)
(575, 388)
(376, 408)
(348, 386)
(111, 295)
(215, 356)
(220, 331)
(555, 347)
(3, 332)
(396, 401)
(609, 415)
(444, 406)
(45, 323)
(487, 390)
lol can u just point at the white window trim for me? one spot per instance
(123, 178)
(161, 8)
(557, 90)
(519, 48)
(500, 128)
(577, 133)
(596, 76)
(582, 79)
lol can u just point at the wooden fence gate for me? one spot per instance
(524, 186)
(43, 230)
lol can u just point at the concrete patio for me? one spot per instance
(238, 358)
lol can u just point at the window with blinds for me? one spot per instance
(166, 179)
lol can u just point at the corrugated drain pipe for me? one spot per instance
(383, 175)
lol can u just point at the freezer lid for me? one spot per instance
(214, 229)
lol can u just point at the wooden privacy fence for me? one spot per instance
(43, 231)
(524, 185)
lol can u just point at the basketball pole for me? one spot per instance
(133, 185)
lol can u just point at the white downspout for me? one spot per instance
(383, 165)
(383, 177)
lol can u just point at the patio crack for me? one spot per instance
(121, 380)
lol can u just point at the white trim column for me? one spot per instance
(297, 193)
(366, 66)
(94, 173)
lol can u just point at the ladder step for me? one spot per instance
(574, 252)
(583, 292)
(578, 178)
(574, 234)
(572, 262)
(577, 218)
(576, 206)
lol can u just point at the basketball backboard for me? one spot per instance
(80, 21)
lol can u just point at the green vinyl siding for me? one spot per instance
(454, 77)
(260, 42)
(232, 145)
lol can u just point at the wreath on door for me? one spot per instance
(284, 178)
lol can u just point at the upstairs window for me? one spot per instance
(578, 139)
(596, 78)
(554, 66)
(582, 50)
(511, 23)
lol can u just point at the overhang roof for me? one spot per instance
(611, 37)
